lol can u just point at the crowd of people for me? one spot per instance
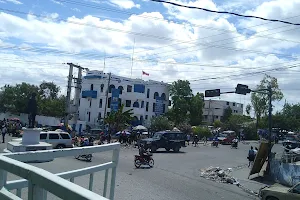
(12, 127)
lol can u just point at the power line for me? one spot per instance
(225, 12)
(246, 74)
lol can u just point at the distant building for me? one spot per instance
(146, 98)
(214, 109)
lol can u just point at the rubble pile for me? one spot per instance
(224, 176)
(219, 175)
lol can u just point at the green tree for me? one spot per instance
(248, 109)
(201, 131)
(196, 109)
(185, 127)
(48, 90)
(227, 114)
(119, 120)
(160, 123)
(218, 124)
(181, 93)
(259, 101)
(15, 98)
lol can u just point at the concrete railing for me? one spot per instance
(40, 181)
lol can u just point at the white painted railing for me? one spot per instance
(40, 181)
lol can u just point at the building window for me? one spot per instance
(120, 89)
(148, 93)
(120, 102)
(108, 113)
(101, 87)
(136, 104)
(109, 102)
(217, 117)
(146, 117)
(141, 119)
(110, 88)
(155, 95)
(163, 96)
(142, 104)
(227, 103)
(92, 86)
(164, 108)
(129, 88)
(128, 103)
(100, 103)
(79, 102)
(91, 103)
(89, 119)
(147, 106)
(205, 116)
(99, 115)
(153, 109)
(233, 104)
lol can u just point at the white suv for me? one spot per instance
(58, 139)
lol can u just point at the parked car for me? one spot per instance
(226, 137)
(165, 139)
(280, 192)
(58, 139)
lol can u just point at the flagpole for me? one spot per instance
(132, 57)
(142, 75)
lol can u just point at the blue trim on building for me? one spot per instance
(92, 77)
(89, 93)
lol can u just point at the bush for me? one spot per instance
(201, 131)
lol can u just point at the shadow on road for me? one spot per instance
(169, 152)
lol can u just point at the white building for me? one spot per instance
(135, 94)
(214, 109)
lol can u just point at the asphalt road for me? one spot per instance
(175, 176)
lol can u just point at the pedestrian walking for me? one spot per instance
(3, 132)
(188, 138)
(251, 156)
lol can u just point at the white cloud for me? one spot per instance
(151, 32)
(76, 9)
(57, 2)
(125, 4)
(11, 1)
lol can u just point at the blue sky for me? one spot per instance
(169, 42)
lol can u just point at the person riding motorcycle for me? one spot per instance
(143, 152)
(235, 142)
(215, 141)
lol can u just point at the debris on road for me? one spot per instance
(223, 176)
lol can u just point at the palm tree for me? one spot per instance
(119, 120)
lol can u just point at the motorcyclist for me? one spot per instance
(235, 142)
(215, 141)
(143, 152)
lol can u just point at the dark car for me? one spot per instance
(291, 142)
(165, 139)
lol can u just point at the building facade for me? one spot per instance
(214, 109)
(146, 98)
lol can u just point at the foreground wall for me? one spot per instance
(285, 173)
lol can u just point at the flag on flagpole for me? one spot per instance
(144, 73)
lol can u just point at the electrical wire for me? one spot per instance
(225, 12)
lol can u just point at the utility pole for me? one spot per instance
(270, 93)
(77, 93)
(67, 108)
(106, 100)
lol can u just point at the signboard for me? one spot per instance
(159, 106)
(114, 104)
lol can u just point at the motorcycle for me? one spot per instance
(87, 157)
(215, 144)
(234, 145)
(143, 160)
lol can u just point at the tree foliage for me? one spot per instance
(201, 131)
(248, 109)
(196, 109)
(119, 120)
(227, 114)
(186, 107)
(217, 124)
(160, 123)
(185, 127)
(259, 101)
(15, 98)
